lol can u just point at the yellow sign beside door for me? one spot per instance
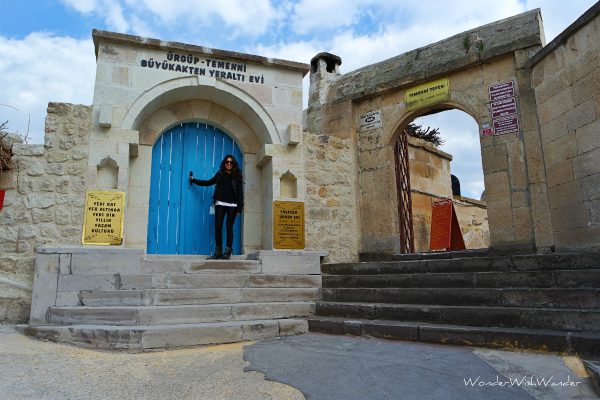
(103, 218)
(427, 94)
(288, 225)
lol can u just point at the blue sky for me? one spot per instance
(46, 51)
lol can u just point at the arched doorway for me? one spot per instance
(435, 160)
(178, 217)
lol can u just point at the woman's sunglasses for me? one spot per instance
(228, 162)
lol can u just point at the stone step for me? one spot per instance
(593, 369)
(530, 262)
(194, 264)
(151, 337)
(161, 297)
(566, 319)
(568, 342)
(186, 314)
(549, 298)
(365, 257)
(210, 280)
(586, 278)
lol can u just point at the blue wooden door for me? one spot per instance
(178, 217)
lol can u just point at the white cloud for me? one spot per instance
(309, 15)
(115, 17)
(240, 16)
(82, 6)
(42, 68)
(557, 15)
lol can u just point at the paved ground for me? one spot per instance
(333, 367)
(315, 367)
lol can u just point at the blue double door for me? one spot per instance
(179, 221)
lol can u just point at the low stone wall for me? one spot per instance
(45, 193)
(473, 221)
(330, 203)
(566, 80)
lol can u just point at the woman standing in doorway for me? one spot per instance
(228, 200)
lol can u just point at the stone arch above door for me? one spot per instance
(202, 111)
(472, 106)
(227, 100)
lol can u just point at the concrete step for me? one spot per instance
(459, 262)
(185, 314)
(593, 369)
(584, 344)
(151, 337)
(195, 264)
(161, 297)
(507, 297)
(585, 278)
(565, 319)
(364, 257)
(211, 280)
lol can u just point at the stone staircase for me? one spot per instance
(123, 299)
(542, 302)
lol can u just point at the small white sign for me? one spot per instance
(370, 120)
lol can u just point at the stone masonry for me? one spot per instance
(566, 80)
(43, 204)
(331, 209)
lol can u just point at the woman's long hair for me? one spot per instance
(236, 172)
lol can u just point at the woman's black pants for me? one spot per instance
(220, 212)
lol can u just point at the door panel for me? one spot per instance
(178, 218)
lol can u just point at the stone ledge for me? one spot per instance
(139, 41)
(88, 250)
(518, 32)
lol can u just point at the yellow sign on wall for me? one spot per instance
(427, 94)
(103, 217)
(288, 225)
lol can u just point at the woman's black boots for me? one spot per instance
(227, 253)
(218, 254)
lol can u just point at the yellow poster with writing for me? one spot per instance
(103, 217)
(288, 225)
(427, 94)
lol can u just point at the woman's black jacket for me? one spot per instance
(237, 185)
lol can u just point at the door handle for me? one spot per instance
(191, 177)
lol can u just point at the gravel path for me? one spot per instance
(32, 369)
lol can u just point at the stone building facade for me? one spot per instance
(541, 174)
(565, 78)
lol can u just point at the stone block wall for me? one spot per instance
(429, 168)
(429, 182)
(566, 80)
(45, 194)
(473, 220)
(331, 212)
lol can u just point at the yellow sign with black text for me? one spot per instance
(288, 225)
(427, 94)
(103, 217)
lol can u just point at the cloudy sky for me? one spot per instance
(47, 54)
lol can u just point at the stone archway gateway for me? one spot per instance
(481, 72)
